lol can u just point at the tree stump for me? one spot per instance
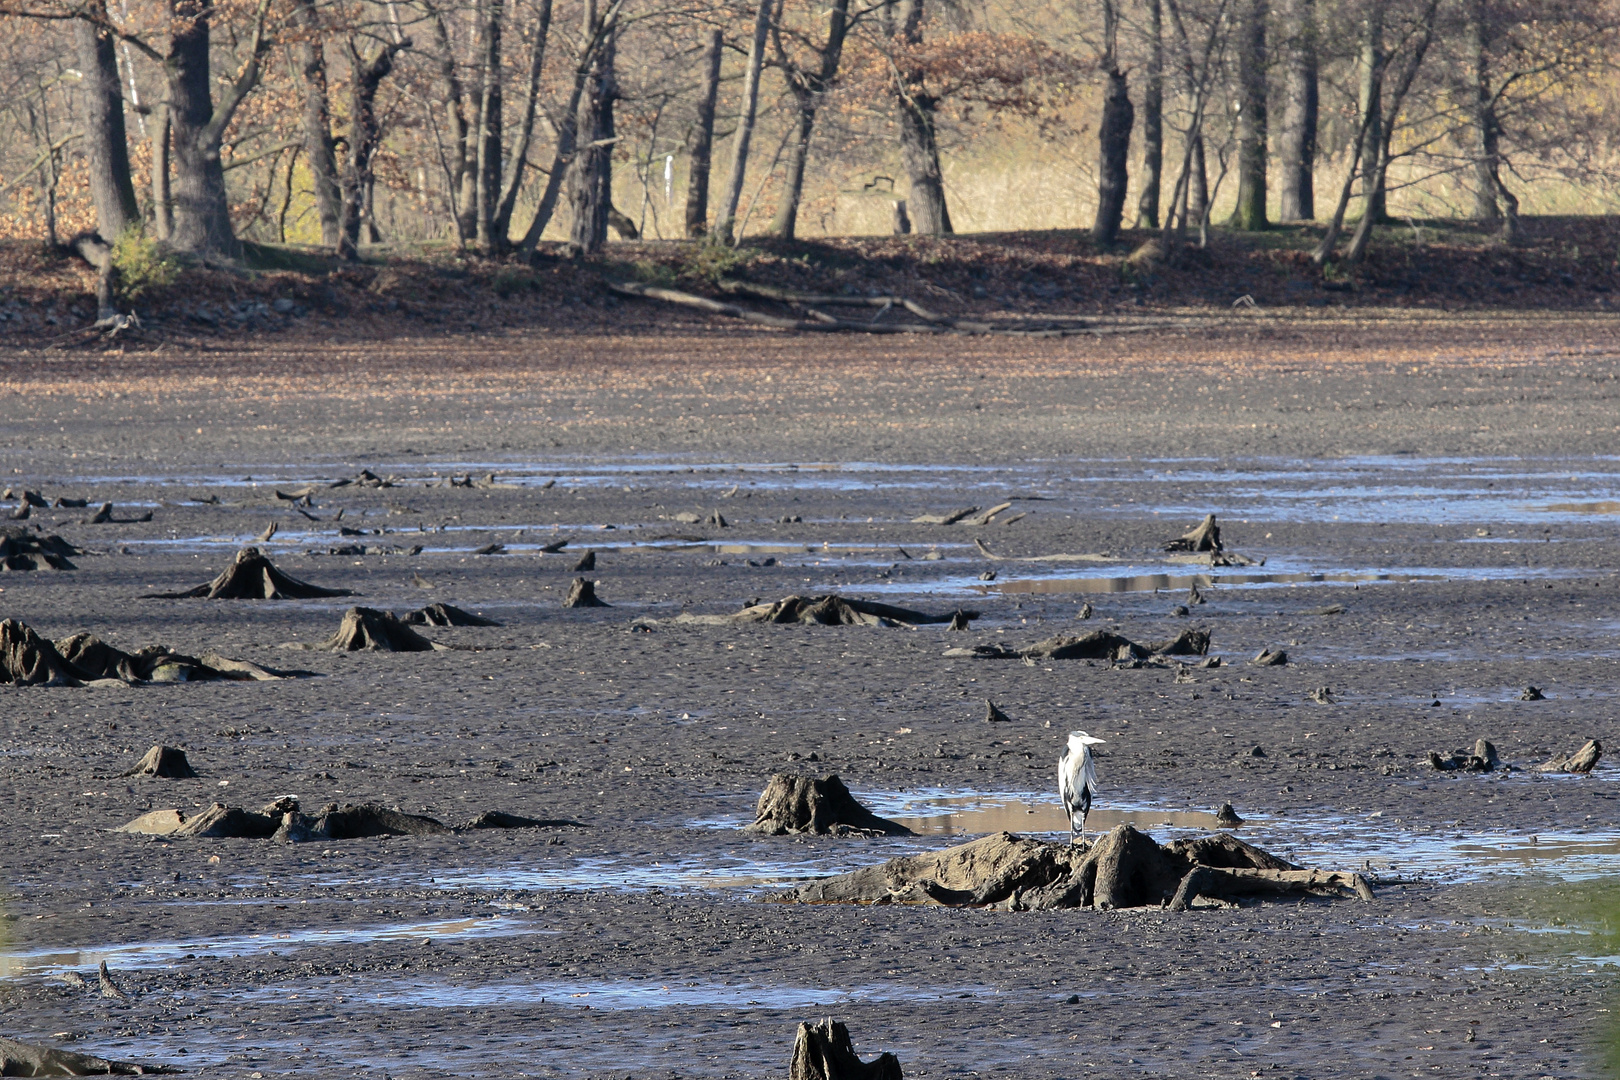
(582, 593)
(804, 804)
(27, 659)
(824, 1052)
(253, 577)
(445, 615)
(586, 563)
(369, 630)
(1207, 537)
(165, 761)
(23, 1059)
(1581, 761)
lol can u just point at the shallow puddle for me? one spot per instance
(954, 814)
(641, 994)
(148, 954)
(637, 873)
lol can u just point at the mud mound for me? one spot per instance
(26, 659)
(444, 615)
(804, 804)
(500, 819)
(253, 577)
(1126, 868)
(283, 820)
(1093, 645)
(827, 611)
(165, 761)
(369, 630)
(824, 1052)
(24, 1059)
(353, 822)
(582, 593)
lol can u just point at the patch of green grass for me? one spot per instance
(508, 281)
(711, 260)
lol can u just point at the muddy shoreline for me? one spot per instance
(1452, 492)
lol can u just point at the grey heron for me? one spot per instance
(1077, 778)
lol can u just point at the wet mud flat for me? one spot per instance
(1424, 591)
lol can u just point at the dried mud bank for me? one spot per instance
(1416, 596)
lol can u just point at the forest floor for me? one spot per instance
(1434, 496)
(1563, 264)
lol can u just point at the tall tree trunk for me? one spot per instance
(564, 153)
(808, 86)
(785, 222)
(162, 206)
(726, 224)
(1370, 104)
(1147, 204)
(202, 218)
(318, 125)
(512, 181)
(487, 155)
(1250, 211)
(108, 145)
(1113, 136)
(1482, 127)
(588, 231)
(1296, 149)
(1113, 159)
(462, 179)
(365, 136)
(697, 177)
(1198, 185)
(926, 209)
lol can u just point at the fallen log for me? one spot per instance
(25, 1059)
(1221, 883)
(1581, 761)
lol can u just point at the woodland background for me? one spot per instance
(163, 136)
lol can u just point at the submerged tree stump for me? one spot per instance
(1581, 761)
(253, 577)
(27, 659)
(830, 611)
(1206, 537)
(445, 615)
(804, 804)
(824, 1052)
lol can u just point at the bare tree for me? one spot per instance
(702, 151)
(1296, 141)
(317, 122)
(1147, 203)
(807, 83)
(105, 138)
(1113, 135)
(1250, 211)
(726, 225)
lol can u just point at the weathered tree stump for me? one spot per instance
(804, 804)
(586, 563)
(166, 761)
(993, 715)
(27, 659)
(253, 577)
(1581, 761)
(582, 593)
(1206, 537)
(828, 611)
(369, 630)
(824, 1052)
(1270, 658)
(22, 550)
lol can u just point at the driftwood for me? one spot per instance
(582, 593)
(500, 819)
(987, 553)
(1484, 759)
(165, 761)
(1093, 645)
(95, 659)
(828, 611)
(1581, 761)
(251, 576)
(1125, 868)
(1270, 658)
(445, 615)
(368, 630)
(824, 1052)
(25, 1059)
(22, 550)
(284, 820)
(804, 804)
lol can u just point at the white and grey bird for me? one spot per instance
(1077, 778)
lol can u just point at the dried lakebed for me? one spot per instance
(642, 943)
